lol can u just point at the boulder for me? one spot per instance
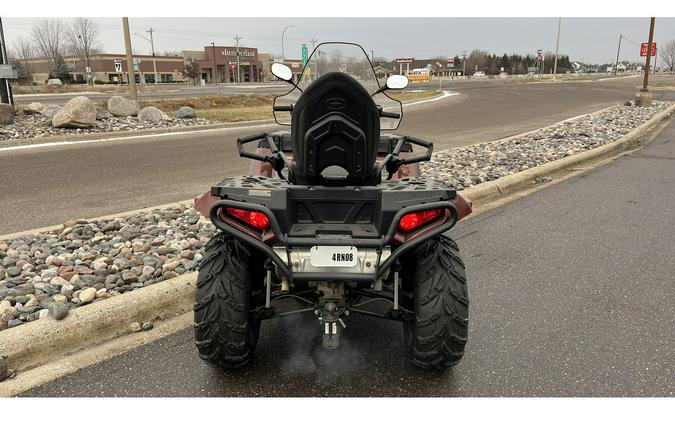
(152, 114)
(121, 107)
(51, 110)
(34, 108)
(6, 114)
(79, 112)
(186, 112)
(102, 114)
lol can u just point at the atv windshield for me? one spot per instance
(345, 58)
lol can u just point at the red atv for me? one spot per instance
(333, 220)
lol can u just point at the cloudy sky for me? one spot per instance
(593, 40)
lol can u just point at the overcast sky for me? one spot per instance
(593, 40)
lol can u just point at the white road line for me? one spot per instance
(119, 138)
(446, 94)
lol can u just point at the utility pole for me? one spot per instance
(464, 64)
(215, 69)
(644, 98)
(152, 46)
(616, 64)
(557, 44)
(131, 72)
(5, 88)
(316, 65)
(236, 40)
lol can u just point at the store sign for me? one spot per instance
(451, 61)
(242, 53)
(118, 65)
(405, 60)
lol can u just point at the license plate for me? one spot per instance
(333, 256)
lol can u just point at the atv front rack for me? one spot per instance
(289, 242)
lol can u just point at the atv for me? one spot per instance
(333, 220)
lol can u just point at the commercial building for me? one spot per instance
(112, 68)
(219, 63)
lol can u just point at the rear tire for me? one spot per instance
(434, 285)
(226, 333)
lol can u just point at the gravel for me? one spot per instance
(38, 126)
(87, 261)
(471, 165)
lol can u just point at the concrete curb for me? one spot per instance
(515, 181)
(28, 346)
(45, 340)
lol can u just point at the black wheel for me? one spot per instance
(229, 285)
(433, 284)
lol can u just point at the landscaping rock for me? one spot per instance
(79, 112)
(34, 108)
(58, 310)
(122, 107)
(186, 112)
(7, 113)
(4, 371)
(51, 110)
(135, 327)
(152, 114)
(87, 295)
(102, 114)
(147, 326)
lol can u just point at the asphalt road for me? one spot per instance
(46, 186)
(572, 294)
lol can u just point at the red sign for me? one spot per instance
(643, 49)
(405, 60)
(451, 61)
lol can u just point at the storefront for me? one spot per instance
(223, 64)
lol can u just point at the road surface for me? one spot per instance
(572, 294)
(47, 186)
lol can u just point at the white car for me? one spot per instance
(54, 82)
(479, 74)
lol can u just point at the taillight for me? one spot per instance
(416, 219)
(254, 218)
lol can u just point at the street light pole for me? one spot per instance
(557, 44)
(464, 64)
(283, 55)
(131, 72)
(616, 64)
(215, 69)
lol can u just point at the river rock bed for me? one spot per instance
(38, 126)
(471, 165)
(87, 261)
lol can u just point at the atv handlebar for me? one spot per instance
(288, 108)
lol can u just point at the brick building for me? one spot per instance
(219, 63)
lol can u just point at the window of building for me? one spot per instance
(149, 78)
(167, 77)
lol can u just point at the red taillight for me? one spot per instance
(416, 219)
(254, 218)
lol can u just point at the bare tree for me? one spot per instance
(23, 52)
(667, 54)
(48, 36)
(83, 39)
(191, 70)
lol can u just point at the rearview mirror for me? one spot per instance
(282, 72)
(397, 82)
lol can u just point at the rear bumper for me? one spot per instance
(288, 243)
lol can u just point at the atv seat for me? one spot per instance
(335, 124)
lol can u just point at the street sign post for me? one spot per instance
(643, 49)
(7, 71)
(304, 55)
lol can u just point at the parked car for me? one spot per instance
(479, 74)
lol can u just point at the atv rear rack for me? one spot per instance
(289, 242)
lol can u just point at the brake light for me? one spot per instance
(416, 219)
(253, 218)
